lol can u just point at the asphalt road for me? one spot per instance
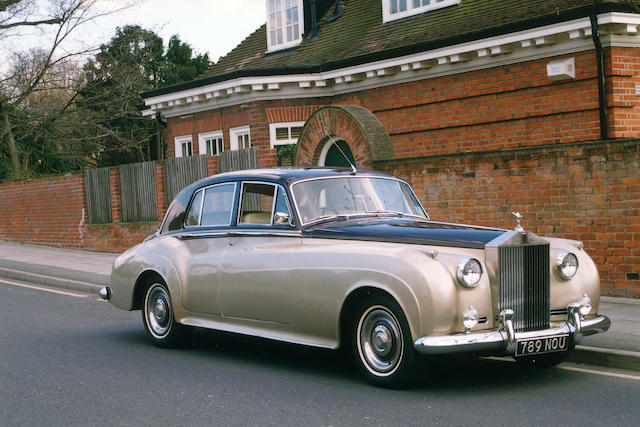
(75, 360)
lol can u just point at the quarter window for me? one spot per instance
(396, 9)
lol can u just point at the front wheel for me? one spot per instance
(157, 316)
(382, 345)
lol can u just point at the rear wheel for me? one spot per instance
(157, 316)
(382, 345)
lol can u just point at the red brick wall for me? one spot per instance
(588, 192)
(53, 211)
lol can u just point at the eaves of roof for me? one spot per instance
(249, 59)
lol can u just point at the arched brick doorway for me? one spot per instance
(346, 126)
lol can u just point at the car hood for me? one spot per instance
(404, 230)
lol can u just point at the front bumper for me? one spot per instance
(504, 340)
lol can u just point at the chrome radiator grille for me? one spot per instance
(523, 285)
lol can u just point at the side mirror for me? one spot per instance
(282, 218)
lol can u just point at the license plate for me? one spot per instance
(542, 345)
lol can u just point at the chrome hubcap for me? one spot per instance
(380, 341)
(158, 310)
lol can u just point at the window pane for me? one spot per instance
(218, 204)
(257, 202)
(394, 6)
(295, 132)
(279, 35)
(193, 216)
(282, 133)
(220, 146)
(402, 5)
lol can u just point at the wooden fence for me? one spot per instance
(98, 191)
(138, 195)
(182, 171)
(238, 160)
(138, 201)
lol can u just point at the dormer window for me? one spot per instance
(284, 24)
(397, 9)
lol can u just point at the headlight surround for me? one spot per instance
(469, 272)
(567, 265)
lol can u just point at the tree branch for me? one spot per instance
(30, 23)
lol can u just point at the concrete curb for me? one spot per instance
(51, 281)
(612, 358)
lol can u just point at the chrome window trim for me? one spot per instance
(203, 189)
(370, 176)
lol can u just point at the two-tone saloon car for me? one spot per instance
(342, 258)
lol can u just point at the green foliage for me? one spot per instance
(179, 64)
(92, 114)
(286, 154)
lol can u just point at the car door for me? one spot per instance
(256, 277)
(205, 240)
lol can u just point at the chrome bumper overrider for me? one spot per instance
(503, 341)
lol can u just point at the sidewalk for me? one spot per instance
(88, 271)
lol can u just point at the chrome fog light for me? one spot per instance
(469, 272)
(585, 305)
(470, 318)
(567, 265)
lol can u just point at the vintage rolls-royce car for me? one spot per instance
(344, 258)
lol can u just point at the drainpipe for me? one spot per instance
(595, 34)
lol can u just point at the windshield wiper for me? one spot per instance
(328, 218)
(378, 213)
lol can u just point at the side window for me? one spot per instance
(193, 216)
(257, 203)
(282, 214)
(218, 205)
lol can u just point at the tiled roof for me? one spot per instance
(359, 36)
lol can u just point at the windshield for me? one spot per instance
(328, 197)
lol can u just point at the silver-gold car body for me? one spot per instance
(342, 258)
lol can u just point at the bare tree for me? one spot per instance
(39, 80)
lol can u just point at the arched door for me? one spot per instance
(336, 153)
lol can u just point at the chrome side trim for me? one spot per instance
(237, 233)
(498, 342)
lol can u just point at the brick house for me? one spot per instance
(483, 106)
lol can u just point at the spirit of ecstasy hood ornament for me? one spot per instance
(518, 216)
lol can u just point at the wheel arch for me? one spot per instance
(410, 309)
(145, 279)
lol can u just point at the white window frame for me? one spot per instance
(238, 131)
(411, 10)
(288, 125)
(208, 136)
(178, 141)
(282, 14)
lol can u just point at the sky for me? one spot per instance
(213, 26)
(208, 26)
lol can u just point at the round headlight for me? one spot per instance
(469, 272)
(567, 264)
